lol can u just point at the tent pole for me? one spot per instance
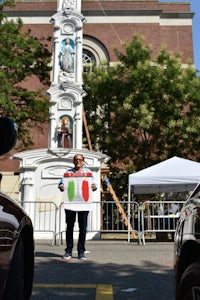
(129, 212)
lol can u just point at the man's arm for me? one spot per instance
(61, 185)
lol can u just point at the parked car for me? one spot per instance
(187, 250)
(16, 235)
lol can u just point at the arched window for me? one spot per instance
(94, 53)
(88, 61)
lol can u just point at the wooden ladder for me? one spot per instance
(119, 206)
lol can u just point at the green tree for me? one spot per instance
(3, 3)
(22, 59)
(144, 109)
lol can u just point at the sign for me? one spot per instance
(78, 192)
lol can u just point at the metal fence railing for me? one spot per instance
(111, 219)
(44, 216)
(133, 220)
(159, 217)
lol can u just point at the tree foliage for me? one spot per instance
(23, 58)
(143, 110)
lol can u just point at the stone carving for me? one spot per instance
(69, 4)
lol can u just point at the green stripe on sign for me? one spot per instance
(71, 190)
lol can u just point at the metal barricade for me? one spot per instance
(133, 220)
(111, 219)
(159, 216)
(124, 219)
(47, 217)
(43, 215)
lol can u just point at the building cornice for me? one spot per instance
(113, 12)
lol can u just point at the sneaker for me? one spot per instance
(67, 255)
(81, 256)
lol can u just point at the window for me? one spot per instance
(88, 61)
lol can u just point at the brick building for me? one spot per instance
(108, 23)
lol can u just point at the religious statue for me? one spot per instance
(67, 58)
(64, 133)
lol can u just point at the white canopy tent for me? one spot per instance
(172, 175)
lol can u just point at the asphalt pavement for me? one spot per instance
(113, 270)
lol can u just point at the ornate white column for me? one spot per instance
(66, 89)
(79, 63)
(41, 169)
(59, 5)
(56, 55)
(28, 194)
(78, 124)
(52, 124)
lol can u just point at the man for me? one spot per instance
(71, 214)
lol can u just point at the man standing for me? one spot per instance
(71, 214)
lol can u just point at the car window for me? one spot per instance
(8, 134)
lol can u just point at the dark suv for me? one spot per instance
(187, 249)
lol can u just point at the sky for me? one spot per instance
(195, 8)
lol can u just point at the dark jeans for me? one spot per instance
(82, 221)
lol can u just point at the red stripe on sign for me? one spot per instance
(85, 190)
(78, 174)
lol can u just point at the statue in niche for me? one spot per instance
(67, 58)
(64, 133)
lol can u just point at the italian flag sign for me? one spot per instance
(78, 192)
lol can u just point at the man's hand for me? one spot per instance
(94, 187)
(61, 187)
